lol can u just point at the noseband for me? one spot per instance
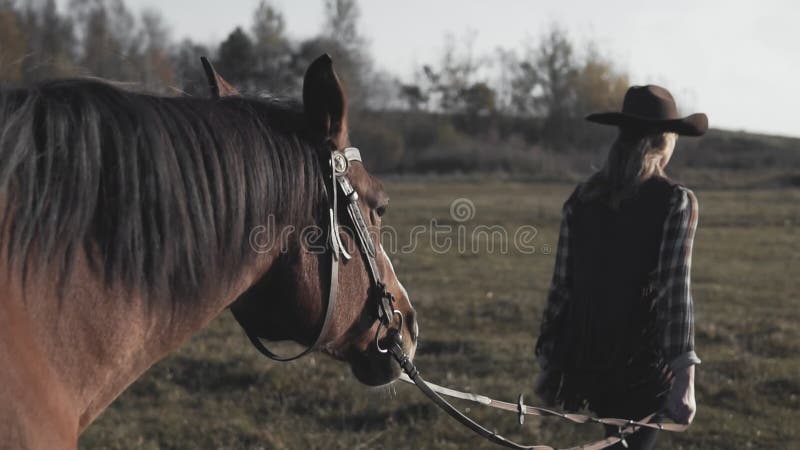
(337, 180)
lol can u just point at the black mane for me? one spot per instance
(161, 192)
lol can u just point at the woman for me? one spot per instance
(618, 329)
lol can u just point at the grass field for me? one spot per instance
(479, 314)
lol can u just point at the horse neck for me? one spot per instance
(87, 346)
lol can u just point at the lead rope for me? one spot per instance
(626, 427)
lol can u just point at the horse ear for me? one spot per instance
(219, 87)
(324, 102)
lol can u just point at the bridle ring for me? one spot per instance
(378, 331)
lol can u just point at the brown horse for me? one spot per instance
(127, 222)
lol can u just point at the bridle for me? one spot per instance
(337, 181)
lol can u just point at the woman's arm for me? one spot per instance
(675, 313)
(549, 379)
(558, 294)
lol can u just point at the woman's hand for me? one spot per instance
(681, 406)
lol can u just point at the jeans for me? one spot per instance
(629, 405)
(643, 439)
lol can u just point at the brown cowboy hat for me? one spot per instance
(652, 107)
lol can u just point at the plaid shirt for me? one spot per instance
(674, 310)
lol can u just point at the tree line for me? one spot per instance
(510, 110)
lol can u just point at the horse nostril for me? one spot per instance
(411, 324)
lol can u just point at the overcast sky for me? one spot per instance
(738, 61)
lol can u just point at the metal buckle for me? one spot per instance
(623, 434)
(340, 163)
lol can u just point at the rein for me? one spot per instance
(433, 391)
(339, 163)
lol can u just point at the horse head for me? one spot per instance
(291, 299)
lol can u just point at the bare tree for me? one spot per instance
(50, 41)
(156, 66)
(347, 46)
(341, 23)
(414, 97)
(599, 85)
(272, 51)
(544, 82)
(13, 43)
(507, 64)
(106, 34)
(454, 85)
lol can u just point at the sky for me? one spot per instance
(738, 61)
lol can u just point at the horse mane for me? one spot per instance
(161, 192)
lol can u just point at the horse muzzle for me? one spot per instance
(375, 366)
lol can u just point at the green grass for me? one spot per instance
(479, 315)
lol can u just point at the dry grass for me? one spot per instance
(479, 317)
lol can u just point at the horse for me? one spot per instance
(128, 223)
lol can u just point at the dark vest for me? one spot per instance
(614, 256)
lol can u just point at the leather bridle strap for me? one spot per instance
(337, 164)
(366, 244)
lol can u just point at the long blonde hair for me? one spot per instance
(634, 157)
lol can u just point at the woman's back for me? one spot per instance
(615, 256)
